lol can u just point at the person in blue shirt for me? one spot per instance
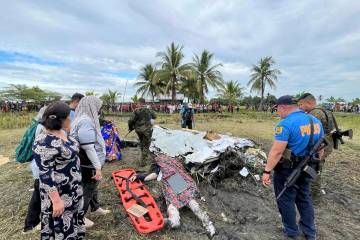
(75, 99)
(291, 144)
(187, 116)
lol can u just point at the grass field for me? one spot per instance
(337, 216)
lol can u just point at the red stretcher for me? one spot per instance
(136, 193)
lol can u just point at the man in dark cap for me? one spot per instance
(295, 135)
(141, 121)
(307, 103)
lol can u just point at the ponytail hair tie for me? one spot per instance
(52, 116)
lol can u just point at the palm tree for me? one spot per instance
(135, 99)
(90, 93)
(356, 101)
(149, 82)
(113, 96)
(331, 99)
(110, 98)
(206, 74)
(105, 98)
(340, 99)
(172, 70)
(263, 75)
(188, 88)
(231, 91)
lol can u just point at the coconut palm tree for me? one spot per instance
(231, 91)
(331, 99)
(261, 75)
(90, 93)
(113, 96)
(172, 70)
(135, 99)
(149, 82)
(206, 74)
(105, 98)
(356, 101)
(340, 99)
(110, 98)
(188, 88)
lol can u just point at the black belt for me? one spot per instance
(289, 163)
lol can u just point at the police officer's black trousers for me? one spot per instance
(300, 196)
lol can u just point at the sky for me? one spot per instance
(77, 46)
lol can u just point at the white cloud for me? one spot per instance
(316, 43)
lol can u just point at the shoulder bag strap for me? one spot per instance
(325, 113)
(311, 140)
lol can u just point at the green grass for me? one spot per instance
(15, 120)
(341, 178)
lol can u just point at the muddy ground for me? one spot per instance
(240, 208)
(243, 209)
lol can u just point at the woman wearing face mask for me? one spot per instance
(61, 192)
(86, 129)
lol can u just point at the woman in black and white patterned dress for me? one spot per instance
(61, 192)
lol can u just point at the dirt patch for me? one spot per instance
(3, 160)
(242, 209)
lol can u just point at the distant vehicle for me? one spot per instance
(328, 106)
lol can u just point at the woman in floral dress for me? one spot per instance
(60, 179)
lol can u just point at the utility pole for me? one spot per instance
(122, 104)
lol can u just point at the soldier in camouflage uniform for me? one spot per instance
(307, 102)
(141, 122)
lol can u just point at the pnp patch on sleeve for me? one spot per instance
(278, 129)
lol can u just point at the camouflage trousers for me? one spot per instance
(145, 141)
(316, 184)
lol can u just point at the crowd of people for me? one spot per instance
(19, 106)
(350, 108)
(215, 107)
(70, 152)
(175, 108)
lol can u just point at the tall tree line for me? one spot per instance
(171, 75)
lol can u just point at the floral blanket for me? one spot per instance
(112, 142)
(170, 166)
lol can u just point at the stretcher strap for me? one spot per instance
(136, 197)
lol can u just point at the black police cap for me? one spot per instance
(286, 100)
